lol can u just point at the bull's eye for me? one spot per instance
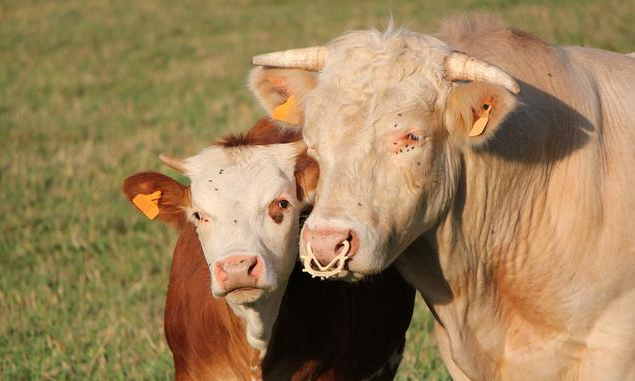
(283, 204)
(197, 215)
(413, 137)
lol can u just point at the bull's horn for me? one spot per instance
(306, 58)
(173, 162)
(461, 67)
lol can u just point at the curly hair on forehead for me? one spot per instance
(264, 132)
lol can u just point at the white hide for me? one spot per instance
(531, 229)
(233, 188)
(375, 85)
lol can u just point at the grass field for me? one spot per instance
(92, 91)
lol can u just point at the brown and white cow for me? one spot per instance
(511, 158)
(235, 225)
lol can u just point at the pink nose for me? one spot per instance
(326, 243)
(238, 271)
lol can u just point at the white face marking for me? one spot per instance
(232, 190)
(374, 127)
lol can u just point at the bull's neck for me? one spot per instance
(260, 318)
(502, 254)
(517, 218)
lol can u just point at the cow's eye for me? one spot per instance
(197, 216)
(283, 204)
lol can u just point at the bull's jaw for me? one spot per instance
(260, 316)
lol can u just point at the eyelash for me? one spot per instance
(413, 137)
(199, 217)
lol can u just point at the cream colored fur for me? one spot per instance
(527, 232)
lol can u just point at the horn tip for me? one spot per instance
(514, 88)
(172, 162)
(261, 59)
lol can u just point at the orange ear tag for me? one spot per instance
(481, 123)
(148, 203)
(287, 112)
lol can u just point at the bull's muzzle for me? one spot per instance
(316, 269)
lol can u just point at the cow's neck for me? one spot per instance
(259, 318)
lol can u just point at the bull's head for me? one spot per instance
(389, 118)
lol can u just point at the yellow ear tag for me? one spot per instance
(148, 203)
(287, 112)
(481, 123)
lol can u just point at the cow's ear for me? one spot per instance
(307, 174)
(158, 196)
(282, 92)
(475, 111)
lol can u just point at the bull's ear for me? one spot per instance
(475, 111)
(158, 196)
(307, 174)
(282, 92)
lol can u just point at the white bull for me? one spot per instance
(510, 165)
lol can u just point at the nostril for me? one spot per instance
(251, 269)
(340, 244)
(353, 239)
(219, 270)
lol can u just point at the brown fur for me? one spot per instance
(264, 132)
(325, 331)
(174, 198)
(206, 338)
(307, 173)
(275, 211)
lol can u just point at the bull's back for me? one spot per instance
(613, 76)
(612, 145)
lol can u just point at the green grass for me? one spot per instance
(92, 91)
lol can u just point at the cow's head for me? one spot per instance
(389, 117)
(245, 201)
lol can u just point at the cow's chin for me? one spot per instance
(244, 295)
